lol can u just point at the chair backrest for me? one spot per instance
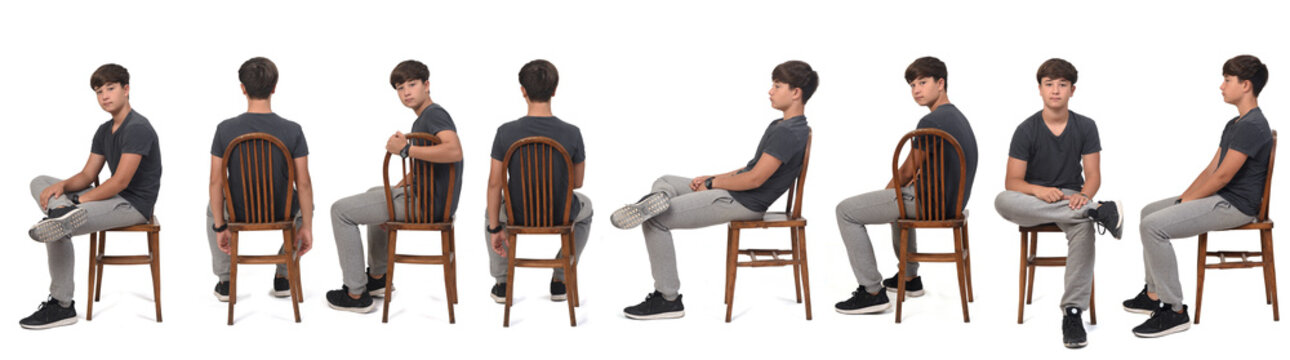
(419, 185)
(794, 208)
(250, 159)
(538, 183)
(930, 189)
(1267, 184)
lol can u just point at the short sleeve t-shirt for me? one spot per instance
(1051, 160)
(948, 118)
(567, 135)
(433, 120)
(785, 140)
(134, 136)
(1251, 136)
(291, 135)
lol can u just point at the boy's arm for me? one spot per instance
(1015, 180)
(216, 201)
(496, 180)
(579, 170)
(1213, 164)
(77, 182)
(448, 150)
(908, 168)
(1092, 180)
(120, 179)
(750, 179)
(1219, 178)
(305, 189)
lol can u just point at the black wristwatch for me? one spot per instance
(219, 229)
(404, 152)
(708, 183)
(494, 230)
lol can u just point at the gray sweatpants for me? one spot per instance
(367, 208)
(101, 215)
(581, 232)
(1163, 221)
(1028, 210)
(876, 207)
(220, 260)
(687, 209)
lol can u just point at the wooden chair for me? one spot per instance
(418, 202)
(1242, 258)
(254, 155)
(537, 157)
(98, 244)
(932, 209)
(1026, 288)
(792, 219)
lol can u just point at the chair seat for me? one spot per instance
(418, 226)
(769, 220)
(1049, 227)
(540, 230)
(1257, 225)
(281, 225)
(153, 225)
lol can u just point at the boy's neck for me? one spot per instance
(1244, 106)
(258, 106)
(944, 99)
(540, 109)
(1056, 116)
(794, 110)
(121, 114)
(423, 107)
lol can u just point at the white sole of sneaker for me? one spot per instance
(909, 293)
(360, 310)
(63, 322)
(1119, 212)
(872, 309)
(559, 298)
(633, 215)
(658, 316)
(50, 230)
(498, 299)
(280, 294)
(1076, 345)
(1137, 311)
(1173, 330)
(221, 298)
(378, 293)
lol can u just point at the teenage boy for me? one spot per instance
(259, 78)
(538, 80)
(1044, 186)
(676, 202)
(1226, 194)
(129, 146)
(411, 82)
(927, 79)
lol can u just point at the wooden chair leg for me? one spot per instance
(1267, 286)
(292, 271)
(510, 281)
(732, 269)
(1202, 242)
(1269, 262)
(797, 268)
(98, 268)
(392, 237)
(89, 293)
(154, 252)
(730, 238)
(967, 262)
(232, 275)
(1021, 282)
(806, 278)
(962, 270)
(447, 275)
(900, 274)
(566, 249)
(1092, 301)
(452, 261)
(1030, 282)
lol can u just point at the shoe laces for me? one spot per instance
(1101, 230)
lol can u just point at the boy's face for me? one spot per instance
(1056, 92)
(781, 95)
(413, 93)
(1233, 88)
(113, 96)
(926, 90)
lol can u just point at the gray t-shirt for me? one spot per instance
(568, 135)
(285, 130)
(433, 120)
(948, 118)
(1054, 161)
(1252, 137)
(134, 136)
(786, 141)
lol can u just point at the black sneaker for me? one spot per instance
(281, 287)
(340, 300)
(1109, 216)
(58, 225)
(221, 291)
(558, 292)
(913, 288)
(1073, 329)
(1141, 304)
(656, 307)
(632, 215)
(862, 302)
(375, 287)
(50, 314)
(499, 293)
(1164, 321)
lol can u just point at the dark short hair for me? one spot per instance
(260, 76)
(1056, 68)
(798, 75)
(539, 79)
(1247, 67)
(927, 66)
(109, 73)
(409, 70)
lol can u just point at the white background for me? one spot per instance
(657, 88)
